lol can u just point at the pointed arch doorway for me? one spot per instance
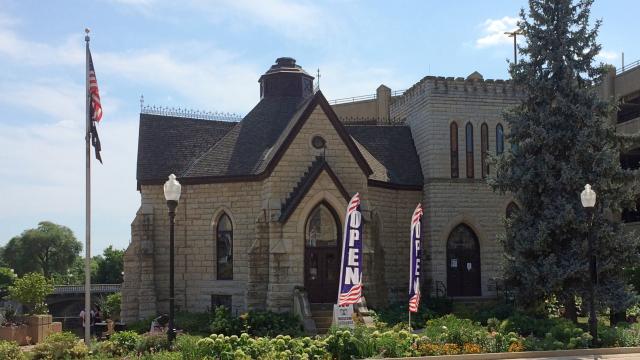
(463, 262)
(321, 254)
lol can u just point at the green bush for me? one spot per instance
(256, 323)
(141, 326)
(429, 308)
(10, 350)
(452, 330)
(267, 323)
(125, 342)
(244, 347)
(152, 343)
(194, 323)
(111, 306)
(31, 290)
(63, 345)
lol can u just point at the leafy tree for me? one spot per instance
(562, 139)
(110, 266)
(31, 290)
(75, 273)
(7, 277)
(49, 249)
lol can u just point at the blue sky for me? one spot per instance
(208, 55)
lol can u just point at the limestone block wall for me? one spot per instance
(469, 202)
(301, 154)
(391, 218)
(432, 104)
(430, 107)
(195, 248)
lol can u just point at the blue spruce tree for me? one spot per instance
(563, 137)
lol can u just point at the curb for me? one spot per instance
(534, 354)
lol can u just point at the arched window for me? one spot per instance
(453, 141)
(322, 228)
(224, 248)
(499, 139)
(321, 255)
(469, 149)
(512, 209)
(484, 145)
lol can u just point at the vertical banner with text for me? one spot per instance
(416, 256)
(350, 289)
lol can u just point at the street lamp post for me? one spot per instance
(514, 34)
(588, 198)
(172, 194)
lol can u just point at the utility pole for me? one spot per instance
(514, 34)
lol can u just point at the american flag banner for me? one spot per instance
(416, 255)
(350, 290)
(95, 107)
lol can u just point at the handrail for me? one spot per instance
(79, 289)
(362, 98)
(628, 67)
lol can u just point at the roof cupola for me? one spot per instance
(285, 78)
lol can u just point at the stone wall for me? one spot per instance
(430, 107)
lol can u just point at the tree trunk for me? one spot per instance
(571, 310)
(617, 317)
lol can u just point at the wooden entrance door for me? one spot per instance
(463, 262)
(321, 255)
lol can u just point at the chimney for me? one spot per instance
(286, 79)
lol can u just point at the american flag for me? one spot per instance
(95, 108)
(414, 291)
(355, 293)
(351, 297)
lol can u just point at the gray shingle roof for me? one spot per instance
(169, 144)
(393, 147)
(204, 150)
(242, 151)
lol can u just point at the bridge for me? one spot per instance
(66, 301)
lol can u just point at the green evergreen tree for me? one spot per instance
(562, 138)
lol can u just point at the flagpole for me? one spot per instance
(87, 259)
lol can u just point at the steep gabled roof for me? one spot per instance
(256, 144)
(169, 144)
(392, 146)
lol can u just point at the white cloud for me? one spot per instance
(212, 79)
(292, 19)
(12, 45)
(493, 32)
(607, 56)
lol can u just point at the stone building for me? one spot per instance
(260, 217)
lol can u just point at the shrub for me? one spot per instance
(125, 342)
(31, 290)
(194, 323)
(450, 329)
(429, 308)
(267, 323)
(10, 350)
(256, 323)
(141, 326)
(63, 345)
(224, 323)
(112, 305)
(244, 347)
(429, 349)
(152, 343)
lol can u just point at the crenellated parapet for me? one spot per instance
(473, 85)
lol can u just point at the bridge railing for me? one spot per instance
(79, 289)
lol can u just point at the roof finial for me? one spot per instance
(86, 34)
(141, 102)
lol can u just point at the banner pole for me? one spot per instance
(410, 328)
(87, 259)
